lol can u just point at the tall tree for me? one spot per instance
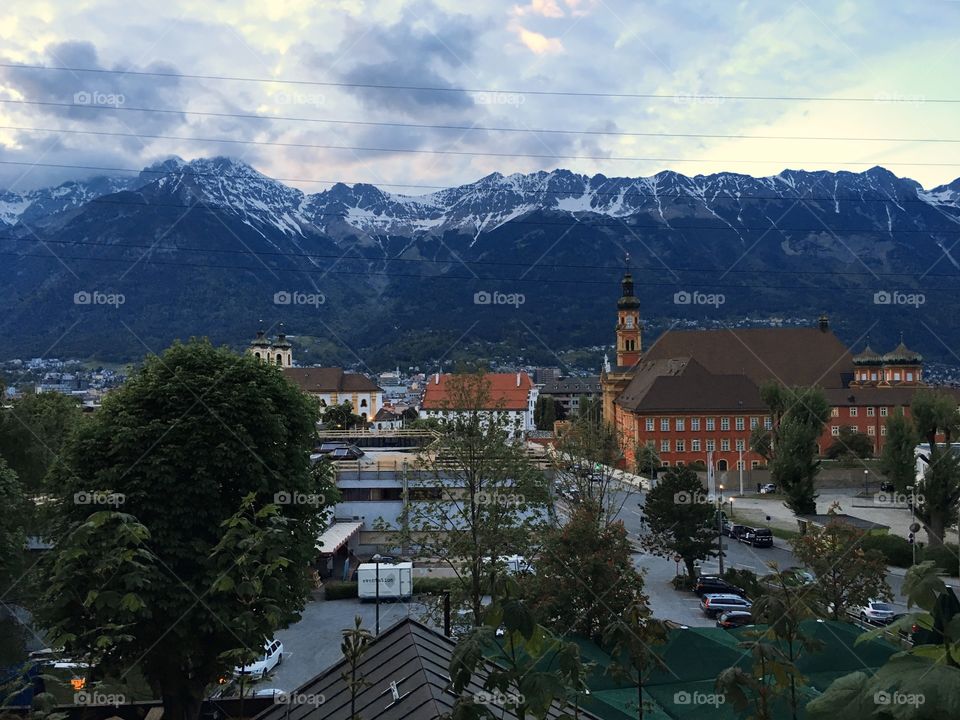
(545, 412)
(680, 519)
(33, 432)
(585, 578)
(647, 460)
(12, 536)
(482, 496)
(790, 444)
(200, 445)
(935, 413)
(845, 574)
(898, 461)
(342, 417)
(850, 444)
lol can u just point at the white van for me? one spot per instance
(396, 581)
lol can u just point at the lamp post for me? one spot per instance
(376, 559)
(720, 528)
(731, 509)
(740, 466)
(866, 477)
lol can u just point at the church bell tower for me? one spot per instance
(629, 330)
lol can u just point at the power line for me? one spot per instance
(465, 128)
(459, 278)
(616, 223)
(534, 156)
(455, 261)
(451, 89)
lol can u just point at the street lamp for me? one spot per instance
(720, 528)
(866, 477)
(376, 559)
(731, 509)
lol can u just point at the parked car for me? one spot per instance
(733, 530)
(768, 489)
(707, 584)
(272, 656)
(875, 612)
(887, 487)
(758, 537)
(734, 619)
(715, 603)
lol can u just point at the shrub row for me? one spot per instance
(899, 553)
(340, 590)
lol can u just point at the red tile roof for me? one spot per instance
(505, 392)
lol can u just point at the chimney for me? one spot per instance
(436, 380)
(518, 378)
(824, 323)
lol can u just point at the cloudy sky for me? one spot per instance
(487, 78)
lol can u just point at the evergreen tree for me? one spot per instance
(898, 461)
(934, 414)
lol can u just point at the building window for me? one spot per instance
(768, 423)
(883, 430)
(873, 377)
(711, 425)
(883, 412)
(834, 412)
(754, 464)
(739, 423)
(835, 430)
(649, 424)
(871, 430)
(665, 463)
(664, 424)
(740, 464)
(741, 444)
(711, 445)
(871, 411)
(724, 444)
(694, 446)
(695, 424)
(896, 376)
(681, 446)
(909, 377)
(664, 446)
(754, 423)
(724, 423)
(853, 412)
(363, 403)
(679, 425)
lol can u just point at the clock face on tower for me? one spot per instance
(629, 322)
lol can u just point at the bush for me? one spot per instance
(895, 549)
(434, 585)
(945, 556)
(683, 582)
(746, 579)
(339, 590)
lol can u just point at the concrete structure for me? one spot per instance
(570, 392)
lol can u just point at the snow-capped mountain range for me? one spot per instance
(477, 207)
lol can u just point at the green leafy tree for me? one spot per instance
(845, 574)
(525, 672)
(647, 460)
(790, 445)
(898, 460)
(355, 642)
(492, 501)
(12, 536)
(545, 412)
(633, 638)
(680, 519)
(585, 578)
(935, 413)
(191, 494)
(33, 432)
(342, 417)
(920, 682)
(850, 443)
(585, 460)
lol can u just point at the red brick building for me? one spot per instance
(696, 392)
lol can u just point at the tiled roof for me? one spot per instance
(406, 674)
(329, 380)
(505, 392)
(681, 384)
(791, 356)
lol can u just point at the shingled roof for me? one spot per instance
(507, 391)
(792, 356)
(681, 384)
(329, 380)
(406, 677)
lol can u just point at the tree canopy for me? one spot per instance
(680, 518)
(189, 514)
